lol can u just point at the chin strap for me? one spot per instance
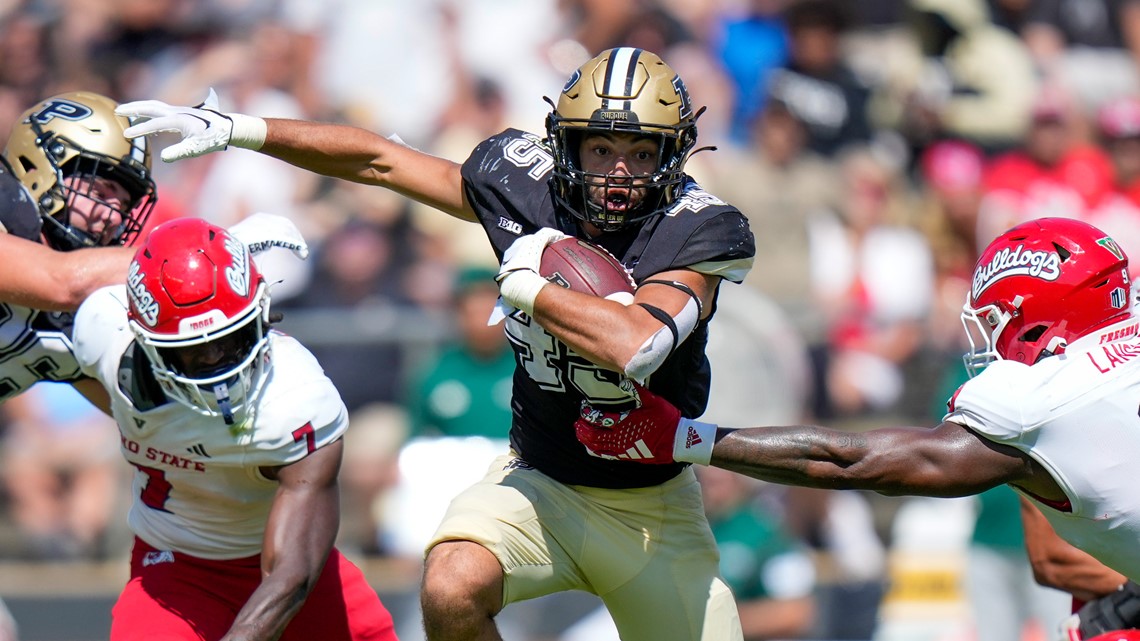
(222, 394)
(1056, 346)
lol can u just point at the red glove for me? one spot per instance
(654, 432)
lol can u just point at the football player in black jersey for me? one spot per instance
(66, 172)
(73, 189)
(69, 180)
(549, 517)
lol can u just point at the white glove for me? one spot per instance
(261, 232)
(203, 127)
(519, 278)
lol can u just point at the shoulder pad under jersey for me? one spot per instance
(100, 326)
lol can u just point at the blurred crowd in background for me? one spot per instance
(875, 146)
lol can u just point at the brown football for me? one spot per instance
(585, 267)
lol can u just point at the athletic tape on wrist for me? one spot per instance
(248, 132)
(694, 442)
(520, 288)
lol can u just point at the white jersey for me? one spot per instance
(34, 346)
(1077, 415)
(198, 487)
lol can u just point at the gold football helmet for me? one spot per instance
(624, 90)
(79, 133)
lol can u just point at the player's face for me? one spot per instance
(97, 205)
(202, 361)
(625, 160)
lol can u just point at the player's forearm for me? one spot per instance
(292, 568)
(38, 277)
(1058, 564)
(601, 331)
(86, 270)
(802, 455)
(268, 611)
(299, 536)
(339, 151)
(358, 155)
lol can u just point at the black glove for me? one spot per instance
(1119, 610)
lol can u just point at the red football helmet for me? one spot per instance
(1041, 285)
(200, 309)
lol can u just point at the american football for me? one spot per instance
(585, 267)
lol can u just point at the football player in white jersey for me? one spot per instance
(235, 436)
(1052, 410)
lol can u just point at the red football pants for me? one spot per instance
(184, 598)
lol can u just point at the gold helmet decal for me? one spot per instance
(628, 87)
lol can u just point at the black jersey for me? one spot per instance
(34, 345)
(18, 213)
(506, 182)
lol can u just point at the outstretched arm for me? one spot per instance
(335, 150)
(298, 537)
(948, 460)
(34, 275)
(358, 155)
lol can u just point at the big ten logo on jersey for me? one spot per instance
(154, 455)
(141, 297)
(60, 108)
(530, 152)
(237, 274)
(693, 199)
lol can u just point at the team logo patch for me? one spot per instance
(237, 274)
(60, 108)
(685, 110)
(574, 78)
(518, 464)
(692, 437)
(160, 556)
(1016, 261)
(142, 300)
(1111, 246)
(510, 225)
(1118, 298)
